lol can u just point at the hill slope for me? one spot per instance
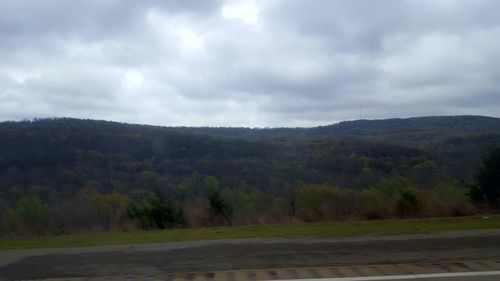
(71, 175)
(60, 156)
(404, 131)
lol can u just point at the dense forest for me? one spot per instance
(70, 175)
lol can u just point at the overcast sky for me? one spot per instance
(248, 63)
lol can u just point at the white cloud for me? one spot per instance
(248, 63)
(178, 32)
(245, 11)
(133, 80)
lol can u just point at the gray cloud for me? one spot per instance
(248, 63)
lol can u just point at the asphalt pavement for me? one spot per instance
(268, 259)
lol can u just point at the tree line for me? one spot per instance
(94, 210)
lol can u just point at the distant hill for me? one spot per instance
(406, 131)
(413, 131)
(452, 125)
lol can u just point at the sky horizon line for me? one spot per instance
(35, 119)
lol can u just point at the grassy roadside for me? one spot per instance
(290, 230)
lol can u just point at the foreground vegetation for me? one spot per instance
(322, 229)
(92, 211)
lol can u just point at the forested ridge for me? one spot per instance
(64, 175)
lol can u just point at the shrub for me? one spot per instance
(157, 213)
(448, 200)
(379, 201)
(320, 202)
(408, 205)
(246, 207)
(29, 216)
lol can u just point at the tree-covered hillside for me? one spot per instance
(231, 171)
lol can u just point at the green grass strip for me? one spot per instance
(323, 229)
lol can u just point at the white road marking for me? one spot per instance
(404, 277)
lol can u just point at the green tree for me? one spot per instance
(218, 206)
(157, 213)
(10, 223)
(211, 184)
(379, 201)
(33, 213)
(409, 205)
(427, 174)
(246, 206)
(164, 214)
(488, 177)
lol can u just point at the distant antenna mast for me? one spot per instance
(360, 114)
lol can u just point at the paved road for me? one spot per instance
(446, 252)
(466, 276)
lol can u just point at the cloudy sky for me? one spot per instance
(248, 63)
